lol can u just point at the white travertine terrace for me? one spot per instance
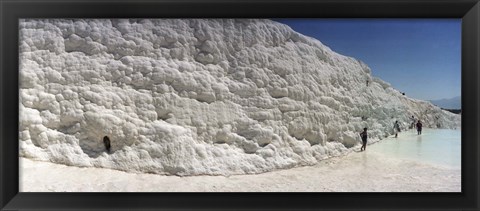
(194, 97)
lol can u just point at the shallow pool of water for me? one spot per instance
(434, 146)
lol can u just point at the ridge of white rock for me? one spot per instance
(193, 97)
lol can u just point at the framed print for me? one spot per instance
(239, 105)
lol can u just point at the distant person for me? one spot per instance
(106, 142)
(364, 137)
(413, 121)
(419, 127)
(396, 128)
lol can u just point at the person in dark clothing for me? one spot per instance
(364, 137)
(419, 127)
(106, 142)
(396, 128)
(412, 119)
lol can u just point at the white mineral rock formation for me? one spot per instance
(192, 97)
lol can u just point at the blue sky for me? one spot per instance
(421, 57)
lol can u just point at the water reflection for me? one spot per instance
(364, 160)
(419, 145)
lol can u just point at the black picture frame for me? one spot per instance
(13, 10)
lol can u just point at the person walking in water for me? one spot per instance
(396, 128)
(412, 120)
(364, 137)
(419, 127)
